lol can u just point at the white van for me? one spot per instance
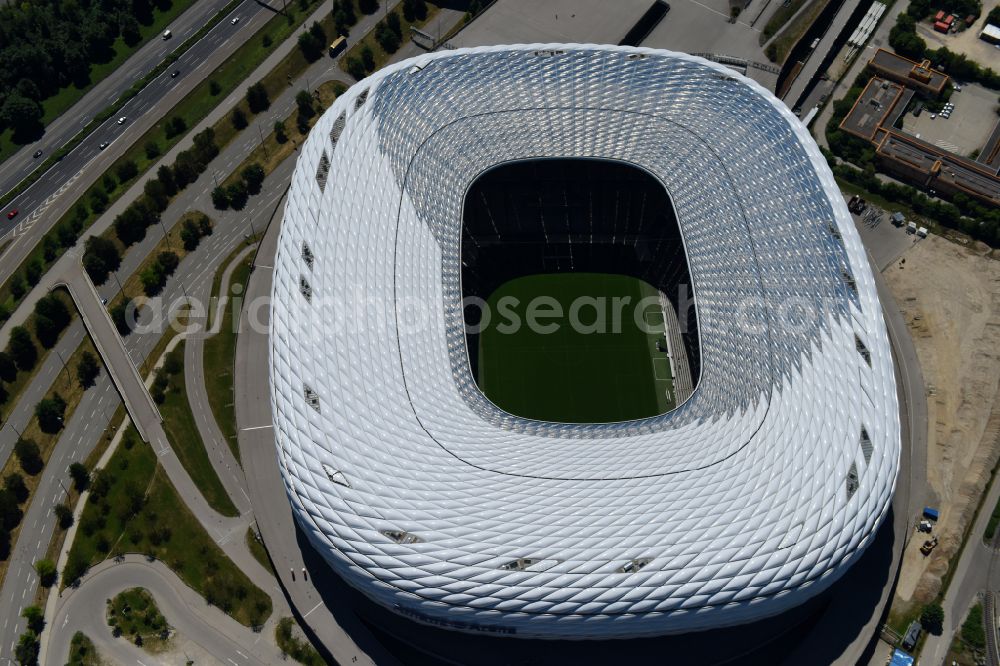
(167, 34)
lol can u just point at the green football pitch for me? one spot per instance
(593, 372)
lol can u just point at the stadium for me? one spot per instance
(725, 459)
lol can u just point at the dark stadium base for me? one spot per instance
(817, 632)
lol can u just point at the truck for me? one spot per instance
(922, 232)
(911, 227)
(931, 513)
(928, 546)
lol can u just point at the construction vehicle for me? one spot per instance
(928, 546)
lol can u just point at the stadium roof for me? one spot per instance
(753, 496)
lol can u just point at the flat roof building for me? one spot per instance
(918, 75)
(879, 105)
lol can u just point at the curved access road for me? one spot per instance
(82, 609)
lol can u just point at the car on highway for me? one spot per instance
(174, 74)
(105, 144)
(121, 121)
(12, 214)
(38, 153)
(236, 19)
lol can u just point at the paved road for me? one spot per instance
(51, 196)
(59, 132)
(325, 613)
(82, 609)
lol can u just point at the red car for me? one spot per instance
(12, 214)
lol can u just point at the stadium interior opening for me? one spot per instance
(579, 306)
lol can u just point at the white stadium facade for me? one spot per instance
(753, 496)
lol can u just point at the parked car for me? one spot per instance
(933, 116)
(12, 214)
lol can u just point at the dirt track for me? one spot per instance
(950, 298)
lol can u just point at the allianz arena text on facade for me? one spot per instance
(751, 497)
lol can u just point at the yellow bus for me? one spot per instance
(338, 46)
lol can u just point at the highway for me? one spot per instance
(196, 271)
(59, 132)
(44, 203)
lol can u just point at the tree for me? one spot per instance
(50, 413)
(27, 649)
(10, 512)
(253, 176)
(28, 456)
(14, 483)
(49, 248)
(932, 618)
(64, 516)
(109, 183)
(35, 617)
(237, 193)
(17, 286)
(220, 198)
(368, 6)
(175, 126)
(152, 150)
(100, 257)
(8, 371)
(22, 348)
(394, 24)
(152, 279)
(304, 101)
(257, 98)
(87, 369)
(66, 234)
(33, 272)
(51, 318)
(386, 37)
(157, 193)
(168, 262)
(80, 475)
(126, 171)
(23, 115)
(119, 315)
(279, 132)
(312, 48)
(214, 88)
(238, 118)
(190, 235)
(98, 200)
(166, 177)
(356, 68)
(47, 573)
(368, 58)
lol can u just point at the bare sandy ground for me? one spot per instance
(950, 297)
(966, 42)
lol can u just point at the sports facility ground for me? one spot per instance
(596, 372)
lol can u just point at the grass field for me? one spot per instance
(594, 372)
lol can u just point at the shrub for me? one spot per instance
(47, 573)
(238, 118)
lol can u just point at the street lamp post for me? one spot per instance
(262, 146)
(166, 236)
(18, 432)
(250, 220)
(63, 361)
(120, 288)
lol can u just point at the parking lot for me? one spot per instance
(968, 127)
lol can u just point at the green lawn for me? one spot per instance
(139, 511)
(185, 440)
(603, 372)
(135, 616)
(82, 651)
(220, 351)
